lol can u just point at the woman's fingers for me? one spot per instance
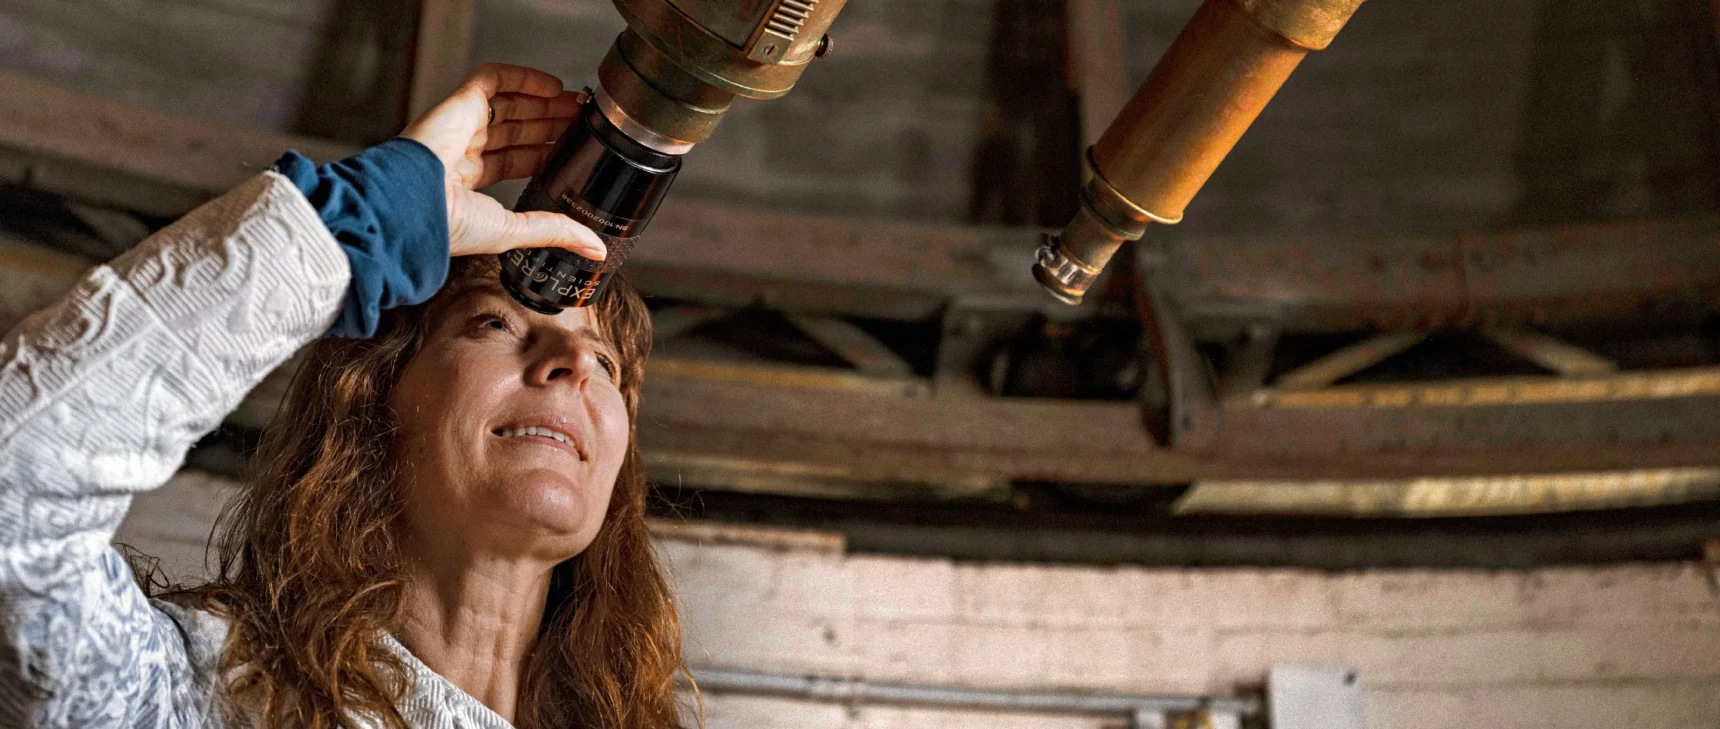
(511, 107)
(530, 109)
(512, 93)
(502, 78)
(536, 131)
(484, 226)
(541, 229)
(511, 163)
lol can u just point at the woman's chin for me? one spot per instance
(547, 502)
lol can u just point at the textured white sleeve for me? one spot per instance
(101, 394)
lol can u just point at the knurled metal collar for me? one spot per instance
(1062, 275)
(636, 131)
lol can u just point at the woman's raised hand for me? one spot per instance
(480, 147)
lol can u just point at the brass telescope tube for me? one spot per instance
(672, 73)
(1186, 116)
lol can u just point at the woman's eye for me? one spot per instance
(492, 322)
(609, 366)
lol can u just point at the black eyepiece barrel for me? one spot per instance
(608, 182)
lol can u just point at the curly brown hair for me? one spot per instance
(310, 568)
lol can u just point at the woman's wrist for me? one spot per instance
(387, 207)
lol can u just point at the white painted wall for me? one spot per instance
(1628, 646)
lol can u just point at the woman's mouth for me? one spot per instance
(545, 432)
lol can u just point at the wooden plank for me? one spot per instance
(790, 378)
(767, 427)
(820, 481)
(242, 62)
(930, 440)
(1549, 352)
(1540, 493)
(737, 257)
(441, 54)
(854, 345)
(814, 435)
(768, 537)
(126, 155)
(856, 437)
(1349, 360)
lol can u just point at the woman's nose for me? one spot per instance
(563, 363)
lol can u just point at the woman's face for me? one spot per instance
(512, 429)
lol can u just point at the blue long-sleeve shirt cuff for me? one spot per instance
(388, 209)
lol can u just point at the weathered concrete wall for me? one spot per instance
(1632, 645)
(1622, 646)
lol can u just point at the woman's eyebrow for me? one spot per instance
(469, 297)
(479, 294)
(457, 305)
(485, 289)
(591, 334)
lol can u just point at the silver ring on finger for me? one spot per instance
(492, 115)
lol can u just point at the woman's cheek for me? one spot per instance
(615, 431)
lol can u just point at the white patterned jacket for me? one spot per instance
(101, 394)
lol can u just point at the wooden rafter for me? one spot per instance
(441, 52)
(126, 155)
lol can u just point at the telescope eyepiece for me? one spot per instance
(607, 181)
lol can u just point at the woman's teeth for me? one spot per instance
(534, 430)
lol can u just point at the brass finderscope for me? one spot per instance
(1204, 93)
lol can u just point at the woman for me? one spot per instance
(444, 524)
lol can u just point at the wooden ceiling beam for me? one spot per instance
(126, 155)
(768, 431)
(129, 156)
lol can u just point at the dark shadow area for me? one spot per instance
(1089, 359)
(356, 88)
(1027, 165)
(753, 335)
(43, 219)
(1620, 117)
(1048, 523)
(1444, 356)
